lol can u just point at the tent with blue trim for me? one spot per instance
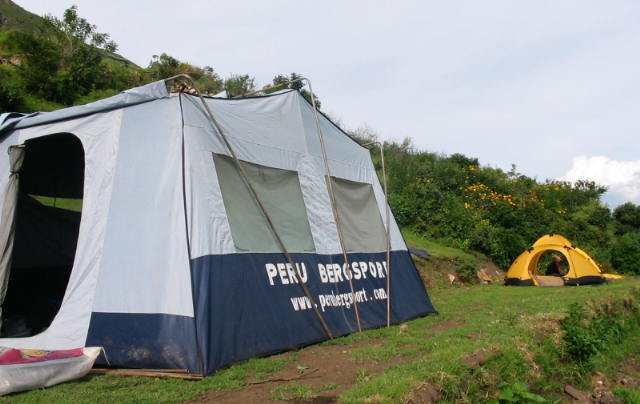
(179, 232)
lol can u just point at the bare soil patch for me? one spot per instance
(327, 371)
(426, 393)
(444, 325)
(478, 358)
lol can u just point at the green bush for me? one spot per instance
(586, 334)
(11, 94)
(625, 254)
(580, 343)
(467, 271)
(517, 392)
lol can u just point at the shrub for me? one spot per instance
(625, 254)
(11, 93)
(580, 344)
(517, 392)
(467, 270)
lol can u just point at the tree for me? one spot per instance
(11, 95)
(74, 32)
(239, 85)
(627, 218)
(164, 66)
(65, 61)
(282, 82)
(625, 254)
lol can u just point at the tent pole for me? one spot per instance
(388, 225)
(8, 225)
(334, 207)
(255, 196)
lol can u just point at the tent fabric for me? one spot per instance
(582, 269)
(359, 216)
(8, 219)
(160, 278)
(279, 191)
(138, 95)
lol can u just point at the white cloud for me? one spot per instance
(621, 177)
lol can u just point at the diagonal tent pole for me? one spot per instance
(327, 173)
(256, 197)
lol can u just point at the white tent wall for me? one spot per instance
(143, 307)
(276, 131)
(145, 245)
(348, 160)
(99, 135)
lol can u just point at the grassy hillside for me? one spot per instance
(487, 340)
(13, 16)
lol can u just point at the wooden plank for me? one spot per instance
(169, 373)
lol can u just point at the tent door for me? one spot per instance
(47, 221)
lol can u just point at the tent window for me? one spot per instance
(280, 192)
(362, 224)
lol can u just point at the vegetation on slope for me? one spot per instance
(455, 200)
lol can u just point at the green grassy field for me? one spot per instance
(517, 327)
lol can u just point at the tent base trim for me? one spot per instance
(518, 282)
(585, 280)
(136, 340)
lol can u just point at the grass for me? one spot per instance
(297, 391)
(486, 317)
(121, 389)
(520, 322)
(627, 395)
(435, 249)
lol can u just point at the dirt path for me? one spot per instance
(326, 371)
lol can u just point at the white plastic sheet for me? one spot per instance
(32, 369)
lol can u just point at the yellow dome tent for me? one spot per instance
(583, 270)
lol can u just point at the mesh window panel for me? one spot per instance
(362, 224)
(279, 190)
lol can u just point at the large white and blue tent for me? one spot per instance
(132, 224)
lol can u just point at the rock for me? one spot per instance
(578, 396)
(483, 276)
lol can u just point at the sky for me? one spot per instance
(551, 87)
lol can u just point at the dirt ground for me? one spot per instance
(327, 370)
(438, 272)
